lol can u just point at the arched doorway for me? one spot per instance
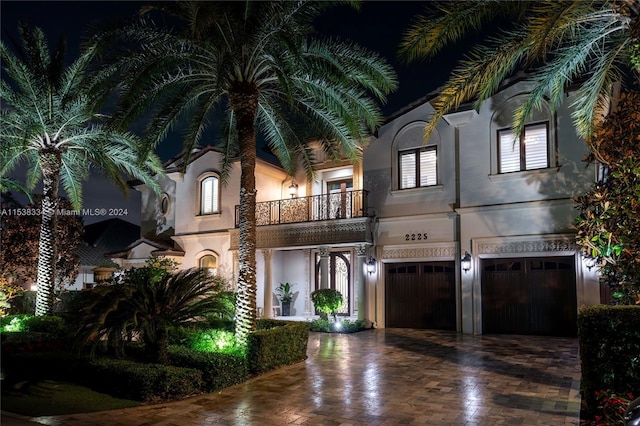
(339, 277)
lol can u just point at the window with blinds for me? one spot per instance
(527, 151)
(209, 196)
(418, 168)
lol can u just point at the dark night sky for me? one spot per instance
(378, 26)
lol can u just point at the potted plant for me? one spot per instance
(285, 296)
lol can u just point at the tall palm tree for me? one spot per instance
(50, 125)
(584, 42)
(256, 63)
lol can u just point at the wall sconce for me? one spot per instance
(465, 263)
(293, 189)
(371, 265)
(590, 262)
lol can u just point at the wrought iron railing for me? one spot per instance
(339, 205)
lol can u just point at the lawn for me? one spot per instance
(50, 398)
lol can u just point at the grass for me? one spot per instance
(50, 398)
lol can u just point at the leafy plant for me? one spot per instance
(327, 301)
(146, 303)
(284, 293)
(611, 407)
(609, 221)
(8, 290)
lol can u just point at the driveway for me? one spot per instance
(388, 377)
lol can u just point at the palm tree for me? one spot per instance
(146, 304)
(256, 63)
(50, 124)
(584, 42)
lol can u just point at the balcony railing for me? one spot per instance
(339, 205)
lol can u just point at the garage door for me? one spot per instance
(529, 296)
(420, 295)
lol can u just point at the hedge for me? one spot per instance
(609, 351)
(218, 370)
(276, 343)
(140, 382)
(25, 303)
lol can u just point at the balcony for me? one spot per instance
(338, 219)
(339, 205)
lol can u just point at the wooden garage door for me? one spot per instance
(529, 296)
(420, 295)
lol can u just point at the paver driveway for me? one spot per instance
(389, 377)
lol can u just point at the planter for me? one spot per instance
(286, 309)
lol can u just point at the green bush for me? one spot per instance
(346, 326)
(609, 351)
(275, 344)
(327, 301)
(140, 382)
(22, 342)
(50, 324)
(218, 370)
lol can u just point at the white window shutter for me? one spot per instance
(408, 170)
(535, 147)
(428, 168)
(509, 152)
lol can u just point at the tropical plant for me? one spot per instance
(8, 291)
(50, 125)
(560, 43)
(327, 301)
(258, 64)
(609, 221)
(146, 304)
(20, 235)
(284, 293)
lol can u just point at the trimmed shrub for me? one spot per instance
(327, 301)
(218, 370)
(23, 342)
(276, 343)
(609, 351)
(346, 326)
(140, 382)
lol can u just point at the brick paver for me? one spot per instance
(387, 377)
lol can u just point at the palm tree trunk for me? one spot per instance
(45, 281)
(243, 98)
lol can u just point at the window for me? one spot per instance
(210, 263)
(418, 167)
(529, 151)
(165, 204)
(209, 195)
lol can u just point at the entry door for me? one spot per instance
(529, 296)
(339, 277)
(339, 193)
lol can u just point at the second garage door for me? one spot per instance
(529, 296)
(420, 295)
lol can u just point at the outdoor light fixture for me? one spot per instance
(590, 262)
(293, 189)
(371, 265)
(466, 262)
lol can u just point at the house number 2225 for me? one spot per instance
(413, 237)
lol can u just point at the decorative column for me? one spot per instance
(361, 280)
(310, 281)
(235, 268)
(324, 266)
(268, 285)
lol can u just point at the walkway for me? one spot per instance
(388, 377)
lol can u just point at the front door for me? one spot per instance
(339, 277)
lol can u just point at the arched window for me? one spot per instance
(209, 262)
(210, 195)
